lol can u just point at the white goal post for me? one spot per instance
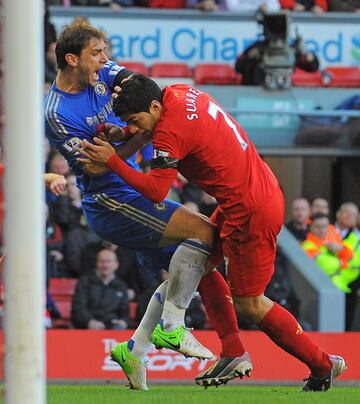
(24, 240)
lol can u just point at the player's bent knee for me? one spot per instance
(185, 223)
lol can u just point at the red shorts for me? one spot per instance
(249, 246)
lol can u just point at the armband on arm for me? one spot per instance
(164, 162)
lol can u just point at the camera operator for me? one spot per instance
(252, 64)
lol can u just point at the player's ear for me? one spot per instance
(72, 59)
(155, 106)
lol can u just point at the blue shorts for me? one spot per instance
(127, 218)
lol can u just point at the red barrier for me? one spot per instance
(75, 354)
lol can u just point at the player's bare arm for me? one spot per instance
(100, 152)
(55, 182)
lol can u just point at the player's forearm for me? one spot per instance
(127, 149)
(151, 187)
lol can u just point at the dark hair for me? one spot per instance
(319, 215)
(74, 38)
(136, 95)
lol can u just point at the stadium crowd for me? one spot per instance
(315, 6)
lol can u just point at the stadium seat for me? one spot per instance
(62, 288)
(344, 76)
(138, 67)
(132, 314)
(305, 79)
(62, 291)
(64, 307)
(170, 70)
(206, 73)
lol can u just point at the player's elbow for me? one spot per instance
(157, 195)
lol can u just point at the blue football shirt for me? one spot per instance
(70, 118)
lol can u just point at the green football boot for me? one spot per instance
(132, 366)
(180, 340)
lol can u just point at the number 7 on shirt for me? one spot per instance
(214, 110)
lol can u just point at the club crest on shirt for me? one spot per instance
(100, 88)
(71, 145)
(160, 206)
(89, 121)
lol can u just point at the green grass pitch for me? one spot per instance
(109, 394)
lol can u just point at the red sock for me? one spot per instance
(216, 298)
(282, 328)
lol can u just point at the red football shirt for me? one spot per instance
(207, 147)
(213, 150)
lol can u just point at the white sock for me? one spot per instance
(172, 316)
(187, 267)
(140, 342)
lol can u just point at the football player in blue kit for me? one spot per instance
(78, 101)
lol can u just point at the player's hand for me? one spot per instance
(110, 132)
(98, 153)
(299, 7)
(96, 325)
(117, 89)
(56, 183)
(116, 92)
(58, 186)
(332, 246)
(317, 10)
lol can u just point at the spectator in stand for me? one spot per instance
(299, 225)
(68, 207)
(316, 6)
(69, 215)
(331, 255)
(58, 164)
(207, 5)
(344, 5)
(100, 300)
(319, 205)
(128, 270)
(346, 222)
(254, 5)
(54, 247)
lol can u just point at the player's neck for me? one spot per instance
(68, 82)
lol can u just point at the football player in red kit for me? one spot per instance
(193, 135)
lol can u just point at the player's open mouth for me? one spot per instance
(95, 75)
